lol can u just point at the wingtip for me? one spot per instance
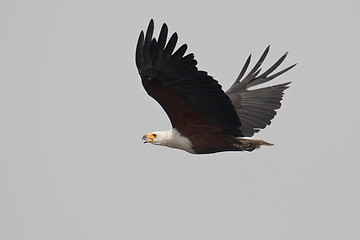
(164, 26)
(149, 32)
(286, 85)
(293, 65)
(151, 26)
(267, 49)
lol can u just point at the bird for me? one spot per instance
(204, 118)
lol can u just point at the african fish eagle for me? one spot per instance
(204, 118)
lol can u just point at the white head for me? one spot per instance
(171, 138)
(157, 138)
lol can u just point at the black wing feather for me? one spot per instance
(174, 81)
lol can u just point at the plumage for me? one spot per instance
(199, 110)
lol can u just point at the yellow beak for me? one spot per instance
(148, 138)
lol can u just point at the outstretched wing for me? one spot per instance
(192, 99)
(256, 107)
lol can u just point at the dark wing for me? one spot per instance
(256, 108)
(191, 98)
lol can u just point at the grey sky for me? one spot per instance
(73, 111)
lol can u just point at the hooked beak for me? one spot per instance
(148, 138)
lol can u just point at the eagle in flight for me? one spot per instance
(204, 118)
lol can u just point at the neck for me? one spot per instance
(174, 139)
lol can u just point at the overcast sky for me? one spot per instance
(73, 111)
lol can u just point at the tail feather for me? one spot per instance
(249, 144)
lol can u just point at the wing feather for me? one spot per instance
(191, 98)
(256, 107)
